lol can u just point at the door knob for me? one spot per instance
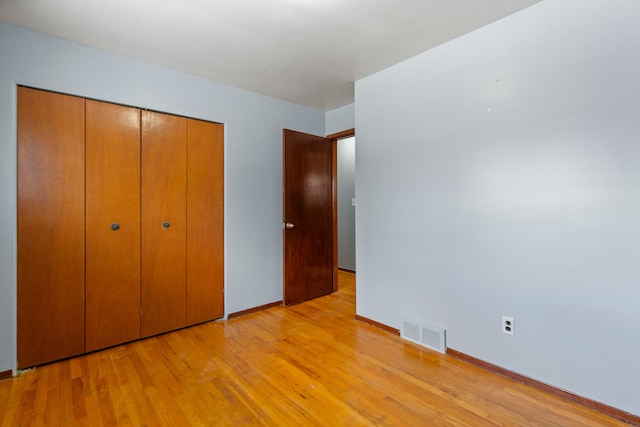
(166, 225)
(289, 225)
(115, 226)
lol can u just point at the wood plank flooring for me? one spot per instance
(309, 364)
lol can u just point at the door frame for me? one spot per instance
(334, 137)
(333, 140)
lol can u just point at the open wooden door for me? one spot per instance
(308, 222)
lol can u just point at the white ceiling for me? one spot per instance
(306, 51)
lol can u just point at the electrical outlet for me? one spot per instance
(508, 325)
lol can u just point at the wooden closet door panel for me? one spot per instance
(113, 200)
(51, 161)
(164, 162)
(205, 221)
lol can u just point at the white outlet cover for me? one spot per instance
(508, 326)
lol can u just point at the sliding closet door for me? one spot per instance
(51, 162)
(205, 221)
(164, 163)
(112, 224)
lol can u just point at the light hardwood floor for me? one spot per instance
(309, 364)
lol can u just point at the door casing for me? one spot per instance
(330, 139)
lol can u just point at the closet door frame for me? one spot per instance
(83, 282)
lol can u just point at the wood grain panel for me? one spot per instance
(113, 197)
(308, 198)
(51, 162)
(164, 161)
(205, 221)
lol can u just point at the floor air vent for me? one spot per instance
(427, 335)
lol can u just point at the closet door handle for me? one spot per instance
(115, 226)
(166, 225)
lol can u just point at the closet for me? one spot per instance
(120, 224)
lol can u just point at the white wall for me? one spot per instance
(531, 211)
(253, 150)
(340, 119)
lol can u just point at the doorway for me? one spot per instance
(310, 215)
(346, 203)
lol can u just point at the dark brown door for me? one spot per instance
(205, 221)
(50, 226)
(308, 229)
(163, 211)
(113, 224)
